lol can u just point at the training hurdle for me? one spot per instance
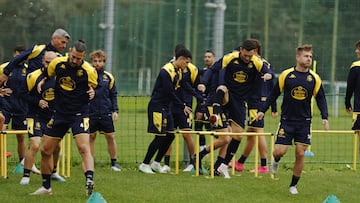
(212, 134)
(343, 132)
(65, 147)
(3, 150)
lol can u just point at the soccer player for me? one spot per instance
(201, 121)
(75, 80)
(160, 118)
(15, 105)
(104, 108)
(41, 109)
(299, 84)
(58, 42)
(257, 98)
(352, 89)
(185, 92)
(237, 78)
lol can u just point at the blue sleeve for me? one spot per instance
(321, 103)
(16, 60)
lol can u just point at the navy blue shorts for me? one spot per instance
(18, 122)
(356, 121)
(236, 109)
(160, 120)
(182, 121)
(294, 131)
(252, 114)
(104, 124)
(60, 124)
(36, 126)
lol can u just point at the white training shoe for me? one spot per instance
(116, 168)
(35, 170)
(166, 168)
(57, 177)
(25, 181)
(145, 168)
(155, 166)
(224, 170)
(293, 190)
(189, 168)
(42, 191)
(274, 167)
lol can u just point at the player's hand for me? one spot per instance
(43, 104)
(5, 91)
(325, 123)
(274, 114)
(91, 92)
(201, 87)
(266, 76)
(115, 116)
(3, 78)
(187, 110)
(260, 116)
(349, 110)
(40, 84)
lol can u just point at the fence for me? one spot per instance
(133, 139)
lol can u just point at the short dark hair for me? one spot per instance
(19, 48)
(210, 51)
(258, 45)
(183, 52)
(178, 47)
(357, 44)
(248, 45)
(79, 45)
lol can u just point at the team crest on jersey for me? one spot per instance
(299, 93)
(23, 72)
(250, 65)
(49, 94)
(63, 66)
(292, 76)
(105, 79)
(240, 76)
(66, 83)
(309, 78)
(281, 132)
(80, 73)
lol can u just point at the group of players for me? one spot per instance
(235, 88)
(48, 94)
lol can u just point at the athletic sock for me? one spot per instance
(113, 162)
(54, 170)
(263, 162)
(27, 172)
(89, 175)
(46, 180)
(242, 159)
(277, 159)
(203, 153)
(167, 160)
(231, 150)
(294, 180)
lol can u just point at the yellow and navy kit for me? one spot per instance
(353, 84)
(238, 76)
(16, 103)
(47, 94)
(72, 84)
(298, 88)
(166, 83)
(33, 56)
(105, 100)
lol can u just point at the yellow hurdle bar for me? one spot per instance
(344, 132)
(65, 155)
(3, 146)
(213, 133)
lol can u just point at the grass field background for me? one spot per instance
(328, 172)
